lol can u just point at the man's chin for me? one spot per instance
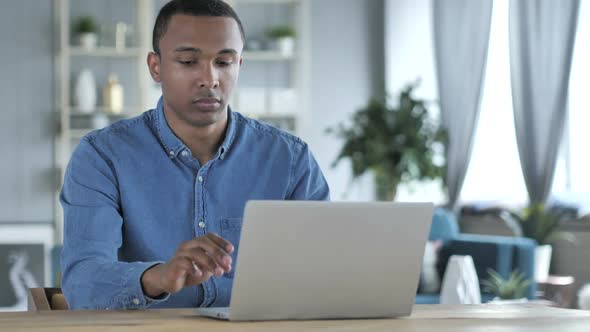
(206, 118)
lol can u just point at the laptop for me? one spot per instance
(327, 260)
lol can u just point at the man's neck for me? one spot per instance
(202, 141)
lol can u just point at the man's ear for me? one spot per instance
(153, 62)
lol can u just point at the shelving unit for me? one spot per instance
(102, 60)
(273, 87)
(266, 71)
(105, 52)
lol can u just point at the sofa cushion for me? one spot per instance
(427, 299)
(444, 225)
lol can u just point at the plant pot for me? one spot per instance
(286, 46)
(542, 262)
(88, 41)
(385, 186)
(497, 300)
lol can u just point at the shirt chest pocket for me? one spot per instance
(230, 231)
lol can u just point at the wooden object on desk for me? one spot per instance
(45, 299)
(439, 318)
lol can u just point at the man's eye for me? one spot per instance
(224, 63)
(187, 62)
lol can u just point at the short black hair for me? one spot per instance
(212, 8)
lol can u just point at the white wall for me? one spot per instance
(409, 46)
(346, 70)
(409, 55)
(27, 121)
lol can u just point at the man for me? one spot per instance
(153, 205)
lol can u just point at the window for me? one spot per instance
(572, 176)
(494, 172)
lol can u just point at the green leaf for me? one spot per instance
(512, 288)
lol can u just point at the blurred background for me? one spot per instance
(479, 107)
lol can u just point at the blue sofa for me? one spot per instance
(503, 254)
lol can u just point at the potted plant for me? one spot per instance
(398, 144)
(86, 29)
(506, 289)
(542, 225)
(284, 38)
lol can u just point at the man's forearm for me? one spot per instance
(91, 284)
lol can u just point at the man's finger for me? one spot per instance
(215, 252)
(203, 261)
(180, 269)
(214, 245)
(223, 243)
(194, 280)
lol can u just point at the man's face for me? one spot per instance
(198, 67)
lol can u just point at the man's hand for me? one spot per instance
(194, 262)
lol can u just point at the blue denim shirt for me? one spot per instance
(133, 192)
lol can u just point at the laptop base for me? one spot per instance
(218, 313)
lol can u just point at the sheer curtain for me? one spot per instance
(572, 179)
(461, 35)
(541, 45)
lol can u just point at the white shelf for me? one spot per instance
(266, 56)
(273, 115)
(105, 52)
(128, 111)
(79, 133)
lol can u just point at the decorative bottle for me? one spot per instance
(113, 95)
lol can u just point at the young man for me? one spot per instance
(153, 205)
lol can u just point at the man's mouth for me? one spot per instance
(207, 104)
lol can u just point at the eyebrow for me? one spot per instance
(228, 51)
(198, 50)
(187, 49)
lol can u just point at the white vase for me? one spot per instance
(584, 297)
(88, 41)
(460, 283)
(85, 92)
(542, 262)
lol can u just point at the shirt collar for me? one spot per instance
(173, 145)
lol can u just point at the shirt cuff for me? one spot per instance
(135, 297)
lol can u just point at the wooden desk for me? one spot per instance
(438, 318)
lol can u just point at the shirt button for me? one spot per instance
(171, 153)
(200, 178)
(136, 301)
(201, 224)
(184, 153)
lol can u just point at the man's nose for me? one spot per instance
(209, 78)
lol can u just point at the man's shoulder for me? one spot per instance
(266, 132)
(122, 130)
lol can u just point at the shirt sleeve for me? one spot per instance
(93, 277)
(307, 181)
